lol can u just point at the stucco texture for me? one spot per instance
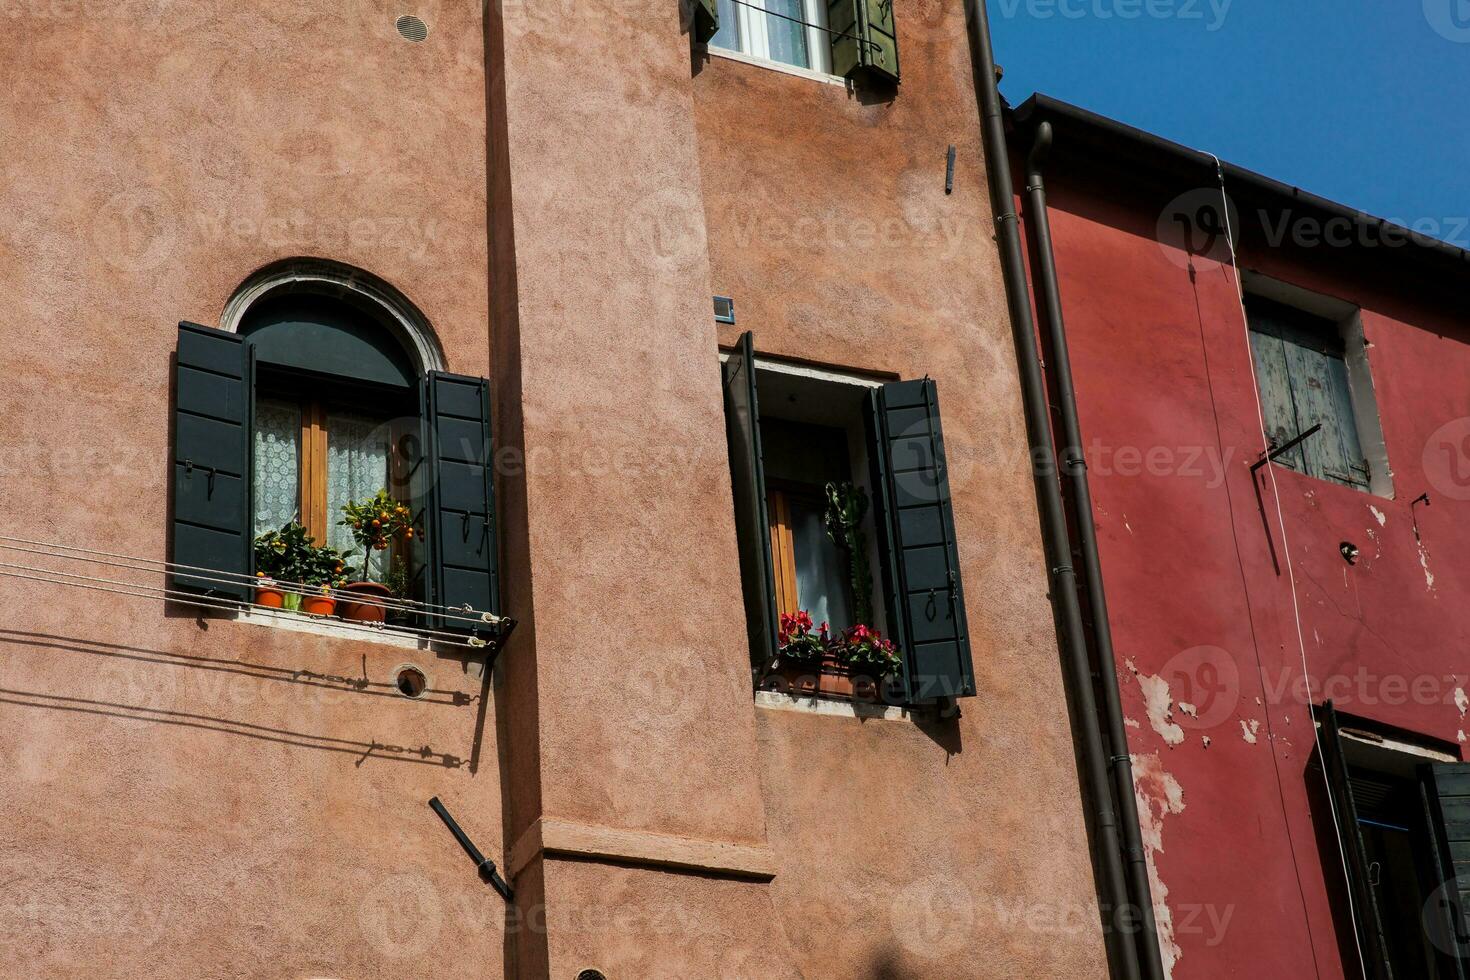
(188, 798)
(1216, 679)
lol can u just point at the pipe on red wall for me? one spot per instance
(1113, 888)
(1074, 468)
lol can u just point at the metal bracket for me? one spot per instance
(1272, 455)
(484, 865)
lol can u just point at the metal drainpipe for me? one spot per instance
(1113, 884)
(1074, 465)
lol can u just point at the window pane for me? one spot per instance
(728, 36)
(786, 38)
(357, 467)
(821, 567)
(277, 464)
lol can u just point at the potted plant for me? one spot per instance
(291, 557)
(377, 523)
(855, 664)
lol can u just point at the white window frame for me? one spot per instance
(754, 41)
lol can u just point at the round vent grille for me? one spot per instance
(410, 28)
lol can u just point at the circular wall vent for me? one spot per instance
(410, 28)
(410, 681)
(591, 975)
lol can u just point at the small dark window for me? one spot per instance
(1398, 820)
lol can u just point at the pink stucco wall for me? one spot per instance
(193, 797)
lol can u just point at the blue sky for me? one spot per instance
(1360, 101)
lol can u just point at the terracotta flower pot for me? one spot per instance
(318, 605)
(269, 596)
(831, 678)
(363, 612)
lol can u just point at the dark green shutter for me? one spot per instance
(916, 530)
(752, 525)
(211, 461)
(1367, 919)
(1446, 795)
(706, 19)
(864, 39)
(454, 486)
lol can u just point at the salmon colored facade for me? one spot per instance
(553, 193)
(1202, 549)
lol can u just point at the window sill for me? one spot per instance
(319, 626)
(816, 705)
(785, 69)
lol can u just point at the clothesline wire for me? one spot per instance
(238, 579)
(208, 602)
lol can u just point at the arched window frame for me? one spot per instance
(451, 482)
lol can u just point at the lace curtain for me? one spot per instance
(277, 464)
(357, 467)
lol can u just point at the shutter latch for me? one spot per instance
(189, 471)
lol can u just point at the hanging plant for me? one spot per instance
(847, 505)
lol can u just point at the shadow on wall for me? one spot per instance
(320, 685)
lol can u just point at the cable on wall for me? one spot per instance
(1286, 552)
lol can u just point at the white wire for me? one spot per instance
(1296, 608)
(240, 578)
(207, 602)
(229, 578)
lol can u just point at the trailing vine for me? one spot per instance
(847, 505)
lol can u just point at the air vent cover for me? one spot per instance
(410, 28)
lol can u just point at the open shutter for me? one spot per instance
(1446, 794)
(706, 19)
(1367, 919)
(456, 488)
(752, 526)
(927, 603)
(864, 39)
(211, 461)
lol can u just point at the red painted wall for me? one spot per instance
(1189, 552)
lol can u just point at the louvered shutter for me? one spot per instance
(921, 562)
(864, 39)
(454, 489)
(211, 461)
(1446, 795)
(1368, 920)
(752, 525)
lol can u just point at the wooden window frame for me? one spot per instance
(779, 494)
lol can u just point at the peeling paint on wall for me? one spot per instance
(1159, 703)
(1424, 561)
(1248, 730)
(1380, 515)
(1159, 795)
(1462, 701)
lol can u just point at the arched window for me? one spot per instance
(325, 387)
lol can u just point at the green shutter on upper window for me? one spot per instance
(864, 39)
(706, 19)
(211, 462)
